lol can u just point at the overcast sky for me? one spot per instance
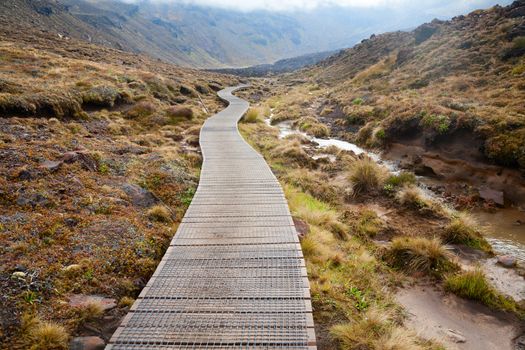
(445, 8)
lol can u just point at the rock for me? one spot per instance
(24, 174)
(301, 226)
(87, 161)
(35, 199)
(19, 275)
(456, 336)
(51, 165)
(87, 343)
(81, 301)
(139, 196)
(507, 261)
(495, 196)
(424, 32)
(72, 268)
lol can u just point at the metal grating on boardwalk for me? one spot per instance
(234, 276)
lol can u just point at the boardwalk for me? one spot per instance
(234, 276)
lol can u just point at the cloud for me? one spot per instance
(443, 7)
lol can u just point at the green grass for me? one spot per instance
(473, 285)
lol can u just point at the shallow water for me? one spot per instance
(504, 231)
(500, 227)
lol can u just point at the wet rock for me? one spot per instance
(497, 197)
(81, 301)
(51, 165)
(301, 226)
(87, 343)
(139, 196)
(456, 336)
(507, 261)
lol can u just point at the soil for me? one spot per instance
(433, 314)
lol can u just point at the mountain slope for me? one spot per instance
(446, 98)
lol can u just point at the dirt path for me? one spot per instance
(457, 323)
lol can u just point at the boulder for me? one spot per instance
(87, 343)
(301, 226)
(507, 261)
(139, 196)
(487, 194)
(51, 165)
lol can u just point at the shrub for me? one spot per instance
(159, 213)
(439, 123)
(461, 230)
(473, 285)
(140, 110)
(417, 254)
(366, 176)
(252, 116)
(179, 112)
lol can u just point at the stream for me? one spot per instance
(504, 228)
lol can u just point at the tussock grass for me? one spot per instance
(419, 254)
(474, 285)
(413, 197)
(252, 116)
(43, 335)
(159, 213)
(368, 224)
(462, 230)
(366, 176)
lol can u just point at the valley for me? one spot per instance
(401, 159)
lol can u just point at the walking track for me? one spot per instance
(234, 276)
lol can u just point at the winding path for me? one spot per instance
(234, 276)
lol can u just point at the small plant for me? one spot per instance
(473, 285)
(126, 302)
(366, 176)
(252, 116)
(440, 123)
(187, 196)
(357, 101)
(159, 213)
(420, 255)
(361, 302)
(308, 246)
(380, 134)
(30, 297)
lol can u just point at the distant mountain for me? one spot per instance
(282, 66)
(206, 37)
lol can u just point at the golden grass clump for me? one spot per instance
(43, 335)
(252, 116)
(462, 230)
(159, 213)
(417, 254)
(366, 176)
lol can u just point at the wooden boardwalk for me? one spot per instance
(234, 276)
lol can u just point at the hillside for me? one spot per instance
(181, 34)
(444, 99)
(98, 160)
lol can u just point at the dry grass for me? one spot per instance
(252, 116)
(159, 213)
(366, 176)
(420, 255)
(462, 230)
(43, 335)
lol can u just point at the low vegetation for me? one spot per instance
(461, 230)
(474, 285)
(366, 176)
(98, 166)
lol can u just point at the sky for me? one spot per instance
(442, 8)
